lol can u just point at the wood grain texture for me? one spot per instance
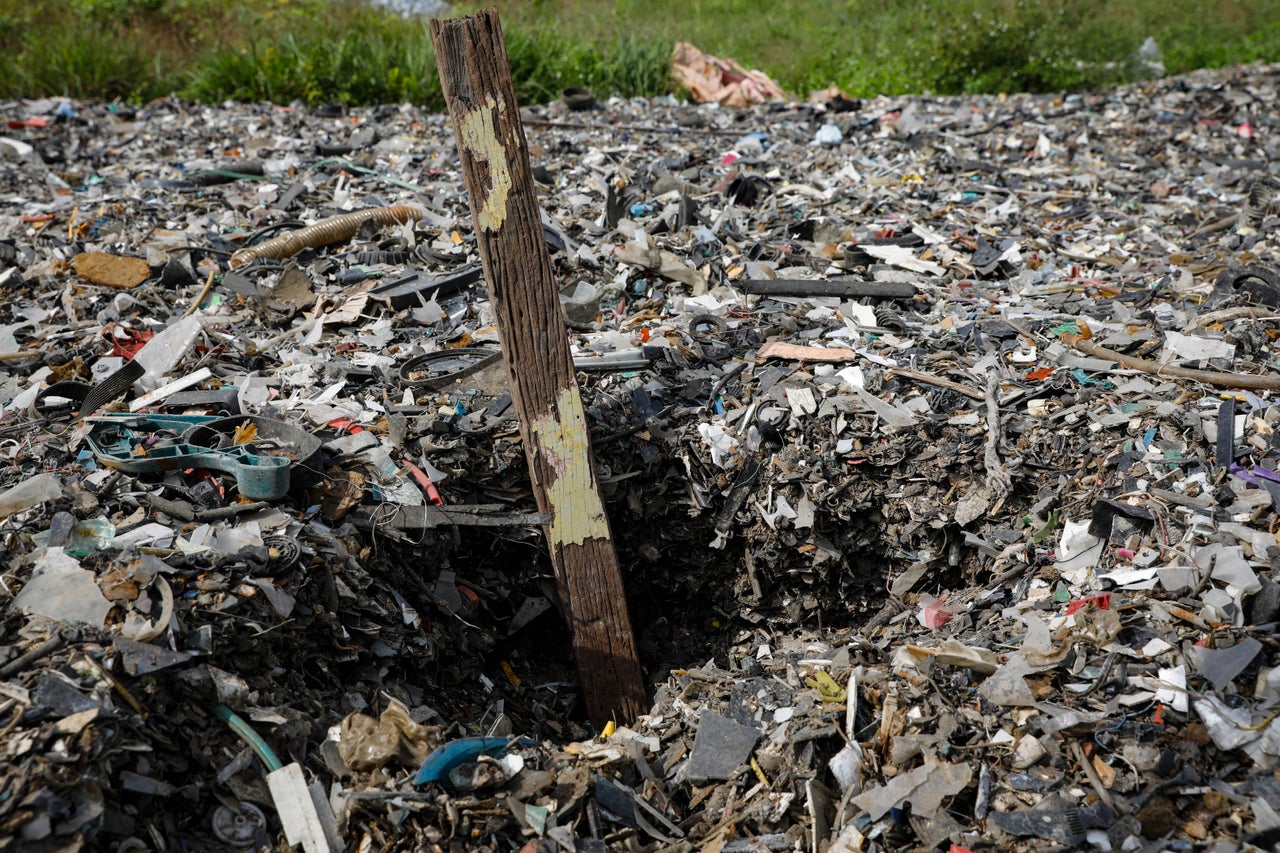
(476, 78)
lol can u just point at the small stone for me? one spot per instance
(111, 270)
(1156, 818)
(1168, 764)
(1266, 604)
(1028, 753)
(1195, 830)
(1216, 802)
(720, 746)
(1195, 733)
(1141, 756)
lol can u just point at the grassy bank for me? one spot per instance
(317, 51)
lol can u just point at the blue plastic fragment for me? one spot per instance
(456, 752)
(1085, 379)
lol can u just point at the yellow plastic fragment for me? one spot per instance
(826, 687)
(246, 433)
(511, 676)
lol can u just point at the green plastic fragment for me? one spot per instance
(1050, 523)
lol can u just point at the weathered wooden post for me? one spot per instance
(476, 77)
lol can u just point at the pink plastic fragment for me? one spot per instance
(935, 614)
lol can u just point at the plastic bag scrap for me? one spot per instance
(710, 79)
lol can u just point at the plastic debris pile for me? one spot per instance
(938, 437)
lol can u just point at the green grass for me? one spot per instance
(870, 47)
(314, 51)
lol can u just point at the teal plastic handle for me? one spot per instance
(112, 441)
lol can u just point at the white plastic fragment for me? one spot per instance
(1229, 566)
(846, 765)
(1028, 752)
(168, 388)
(781, 509)
(719, 442)
(828, 134)
(802, 401)
(160, 354)
(904, 258)
(1078, 552)
(24, 398)
(1156, 646)
(16, 148)
(1131, 578)
(1174, 690)
(1038, 637)
(304, 811)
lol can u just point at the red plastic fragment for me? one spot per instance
(1103, 602)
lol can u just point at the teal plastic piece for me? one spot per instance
(121, 442)
(456, 752)
(259, 746)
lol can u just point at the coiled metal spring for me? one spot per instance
(332, 230)
(888, 318)
(1262, 193)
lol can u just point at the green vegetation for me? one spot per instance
(316, 51)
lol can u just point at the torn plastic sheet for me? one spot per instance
(924, 788)
(1222, 666)
(948, 653)
(1230, 728)
(1178, 346)
(1007, 686)
(30, 492)
(893, 416)
(1132, 578)
(61, 590)
(1229, 566)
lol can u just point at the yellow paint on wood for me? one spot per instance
(477, 130)
(576, 511)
